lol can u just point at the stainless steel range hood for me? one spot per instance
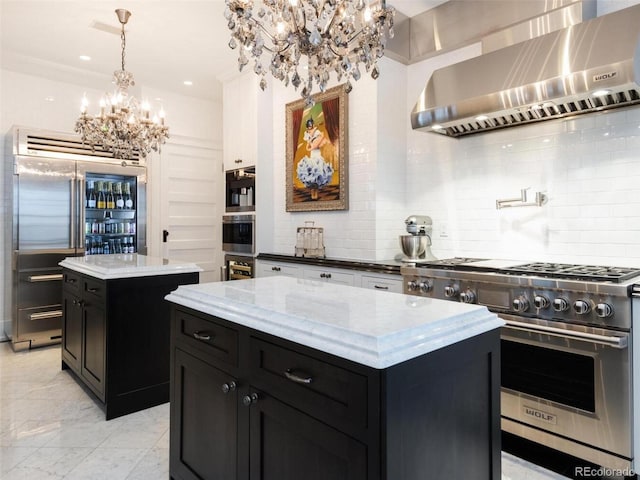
(588, 67)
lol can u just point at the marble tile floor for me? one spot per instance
(50, 428)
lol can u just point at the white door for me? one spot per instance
(190, 200)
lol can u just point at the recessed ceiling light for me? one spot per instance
(188, 83)
(85, 58)
(49, 99)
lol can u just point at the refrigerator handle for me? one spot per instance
(74, 215)
(82, 214)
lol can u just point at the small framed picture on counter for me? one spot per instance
(317, 163)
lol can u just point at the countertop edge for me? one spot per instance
(379, 353)
(131, 271)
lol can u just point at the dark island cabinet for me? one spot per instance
(250, 406)
(287, 444)
(72, 326)
(116, 337)
(83, 331)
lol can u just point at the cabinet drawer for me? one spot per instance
(334, 394)
(284, 270)
(71, 282)
(208, 337)
(383, 284)
(330, 276)
(94, 289)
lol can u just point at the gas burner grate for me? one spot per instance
(595, 273)
(452, 262)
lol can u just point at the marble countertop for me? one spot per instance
(377, 329)
(127, 265)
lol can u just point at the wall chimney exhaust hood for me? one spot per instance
(588, 67)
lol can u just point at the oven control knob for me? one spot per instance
(412, 285)
(520, 304)
(581, 307)
(468, 296)
(541, 302)
(604, 310)
(450, 291)
(426, 286)
(560, 304)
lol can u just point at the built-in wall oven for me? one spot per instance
(238, 233)
(566, 356)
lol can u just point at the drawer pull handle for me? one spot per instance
(92, 290)
(228, 387)
(45, 278)
(77, 303)
(70, 280)
(378, 287)
(45, 315)
(249, 400)
(305, 380)
(201, 336)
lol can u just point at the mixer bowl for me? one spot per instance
(413, 246)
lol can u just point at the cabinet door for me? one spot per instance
(71, 330)
(286, 444)
(240, 121)
(204, 425)
(94, 347)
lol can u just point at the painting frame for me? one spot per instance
(304, 160)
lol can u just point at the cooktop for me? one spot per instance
(596, 273)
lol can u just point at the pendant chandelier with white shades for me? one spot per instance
(124, 126)
(340, 36)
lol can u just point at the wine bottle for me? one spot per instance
(91, 195)
(111, 201)
(128, 199)
(119, 197)
(102, 200)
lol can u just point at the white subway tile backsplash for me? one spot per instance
(587, 166)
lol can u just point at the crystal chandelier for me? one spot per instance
(124, 126)
(333, 35)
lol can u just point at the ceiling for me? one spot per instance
(168, 42)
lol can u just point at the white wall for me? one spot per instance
(377, 147)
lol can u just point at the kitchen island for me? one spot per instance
(116, 326)
(283, 378)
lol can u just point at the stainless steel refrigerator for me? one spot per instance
(52, 180)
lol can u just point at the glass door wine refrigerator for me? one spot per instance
(66, 200)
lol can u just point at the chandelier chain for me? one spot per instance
(123, 38)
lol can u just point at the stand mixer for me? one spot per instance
(417, 245)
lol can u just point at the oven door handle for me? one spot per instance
(615, 342)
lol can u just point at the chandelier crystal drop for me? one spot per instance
(341, 36)
(124, 127)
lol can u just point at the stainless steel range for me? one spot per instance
(566, 348)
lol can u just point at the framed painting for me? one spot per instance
(317, 164)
